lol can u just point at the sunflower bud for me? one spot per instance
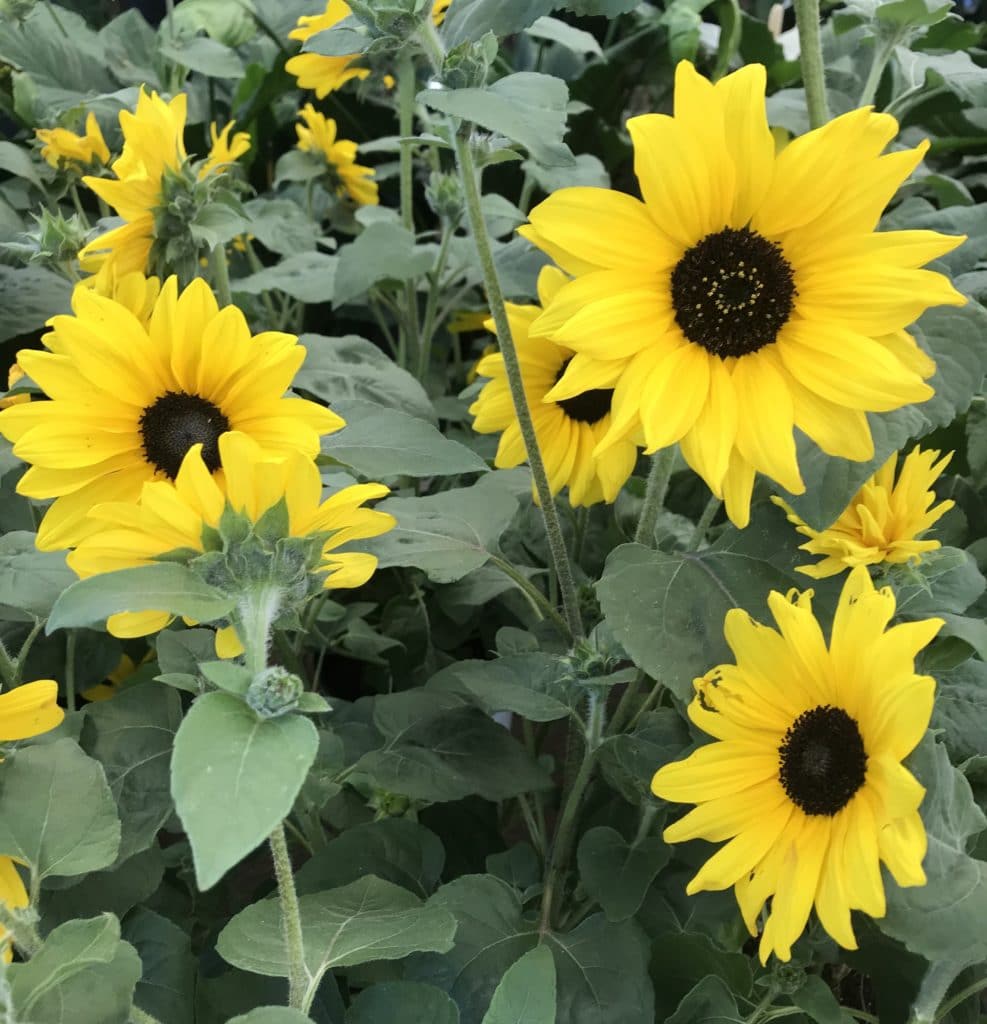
(274, 692)
(466, 65)
(444, 195)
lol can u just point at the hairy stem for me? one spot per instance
(406, 128)
(291, 920)
(705, 520)
(811, 59)
(654, 496)
(550, 514)
(221, 276)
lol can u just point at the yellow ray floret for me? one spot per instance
(318, 135)
(885, 520)
(224, 150)
(61, 147)
(804, 782)
(568, 430)
(172, 516)
(129, 398)
(747, 293)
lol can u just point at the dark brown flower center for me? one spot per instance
(822, 760)
(174, 423)
(589, 407)
(732, 292)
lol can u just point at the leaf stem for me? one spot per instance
(950, 1004)
(406, 128)
(534, 595)
(291, 920)
(811, 59)
(431, 303)
(221, 276)
(879, 61)
(70, 644)
(932, 991)
(550, 514)
(709, 514)
(654, 496)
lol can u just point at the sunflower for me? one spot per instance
(568, 430)
(883, 522)
(14, 374)
(748, 293)
(805, 778)
(128, 400)
(60, 147)
(28, 710)
(224, 150)
(318, 135)
(326, 74)
(132, 290)
(184, 515)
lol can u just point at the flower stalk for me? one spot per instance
(811, 59)
(550, 514)
(654, 497)
(291, 920)
(406, 128)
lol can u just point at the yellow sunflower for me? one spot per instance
(129, 399)
(748, 293)
(326, 74)
(224, 150)
(568, 430)
(318, 135)
(61, 147)
(805, 778)
(184, 515)
(14, 374)
(883, 522)
(132, 290)
(28, 710)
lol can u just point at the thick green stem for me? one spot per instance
(811, 58)
(883, 50)
(9, 675)
(565, 836)
(432, 302)
(291, 920)
(70, 643)
(932, 991)
(705, 520)
(550, 514)
(626, 706)
(256, 611)
(221, 276)
(406, 128)
(20, 929)
(654, 496)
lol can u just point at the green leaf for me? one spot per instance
(526, 107)
(365, 921)
(132, 736)
(383, 251)
(271, 1015)
(473, 19)
(617, 874)
(281, 226)
(231, 24)
(167, 982)
(598, 8)
(683, 959)
(447, 535)
(165, 587)
(207, 56)
(526, 993)
(629, 760)
(30, 295)
(530, 685)
(943, 920)
(816, 998)
(17, 161)
(83, 974)
(234, 776)
(574, 39)
(394, 849)
(56, 811)
(452, 755)
(386, 442)
(306, 276)
(709, 1001)
(961, 708)
(30, 580)
(338, 41)
(946, 580)
(409, 1002)
(351, 367)
(667, 610)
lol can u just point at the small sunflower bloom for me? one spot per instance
(224, 150)
(61, 147)
(569, 430)
(748, 293)
(885, 520)
(132, 290)
(26, 711)
(805, 778)
(318, 135)
(184, 516)
(128, 399)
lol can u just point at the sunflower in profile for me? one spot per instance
(183, 517)
(327, 74)
(28, 710)
(748, 293)
(61, 147)
(224, 150)
(127, 400)
(132, 290)
(805, 778)
(318, 135)
(885, 520)
(568, 430)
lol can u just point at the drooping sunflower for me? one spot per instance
(326, 74)
(224, 150)
(28, 710)
(182, 516)
(568, 430)
(748, 293)
(805, 778)
(129, 399)
(318, 135)
(61, 147)
(883, 522)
